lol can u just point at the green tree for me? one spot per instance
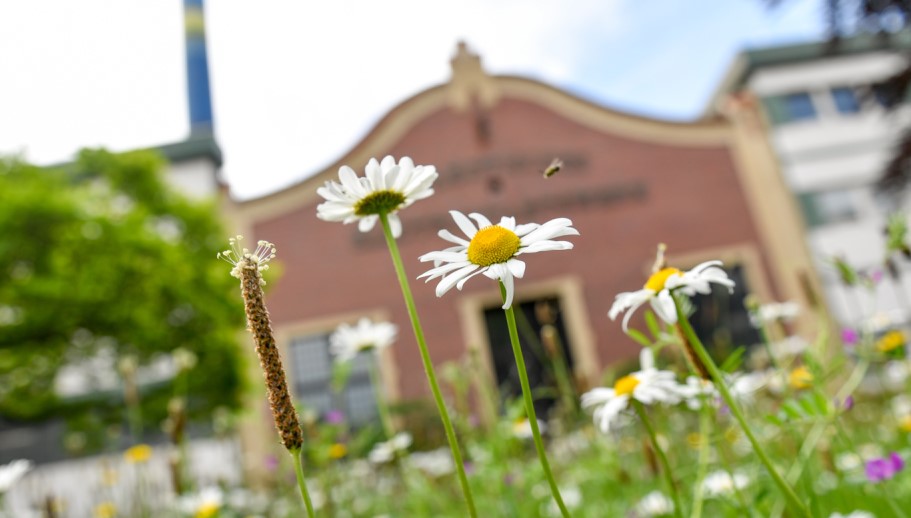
(102, 254)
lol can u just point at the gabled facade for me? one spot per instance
(708, 189)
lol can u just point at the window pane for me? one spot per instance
(361, 402)
(800, 106)
(845, 100)
(310, 356)
(312, 366)
(827, 207)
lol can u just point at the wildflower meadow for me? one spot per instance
(796, 426)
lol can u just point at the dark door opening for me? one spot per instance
(546, 360)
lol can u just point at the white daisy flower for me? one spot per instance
(347, 341)
(434, 463)
(853, 514)
(12, 472)
(658, 288)
(773, 312)
(741, 385)
(206, 502)
(492, 250)
(387, 188)
(654, 504)
(720, 483)
(647, 386)
(384, 452)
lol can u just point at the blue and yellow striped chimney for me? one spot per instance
(201, 120)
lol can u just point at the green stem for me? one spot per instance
(705, 416)
(428, 364)
(301, 483)
(381, 406)
(530, 405)
(662, 457)
(717, 377)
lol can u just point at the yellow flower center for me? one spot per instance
(625, 385)
(890, 341)
(105, 510)
(207, 510)
(379, 202)
(338, 450)
(492, 245)
(657, 280)
(138, 454)
(800, 378)
(905, 424)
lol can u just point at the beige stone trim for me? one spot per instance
(403, 117)
(600, 118)
(773, 208)
(569, 289)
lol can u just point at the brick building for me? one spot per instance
(710, 189)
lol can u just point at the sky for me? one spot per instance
(296, 84)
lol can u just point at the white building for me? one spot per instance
(833, 138)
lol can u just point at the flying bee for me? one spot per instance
(553, 168)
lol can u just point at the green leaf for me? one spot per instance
(652, 323)
(639, 337)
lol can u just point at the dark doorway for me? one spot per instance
(541, 355)
(721, 320)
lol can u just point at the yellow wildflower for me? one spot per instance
(904, 424)
(207, 510)
(337, 451)
(138, 454)
(800, 378)
(105, 510)
(890, 341)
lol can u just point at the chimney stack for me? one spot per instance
(201, 120)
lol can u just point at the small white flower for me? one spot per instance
(387, 188)
(207, 500)
(492, 250)
(347, 341)
(696, 391)
(721, 483)
(434, 463)
(654, 504)
(384, 452)
(265, 252)
(12, 472)
(658, 288)
(521, 428)
(741, 385)
(773, 312)
(647, 386)
(853, 514)
(572, 499)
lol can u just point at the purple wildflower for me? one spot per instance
(849, 336)
(335, 416)
(884, 468)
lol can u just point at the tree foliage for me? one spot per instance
(102, 255)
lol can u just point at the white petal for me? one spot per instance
(664, 307)
(464, 223)
(439, 271)
(395, 225)
(516, 267)
(450, 280)
(481, 219)
(508, 223)
(440, 255)
(367, 223)
(452, 238)
(510, 288)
